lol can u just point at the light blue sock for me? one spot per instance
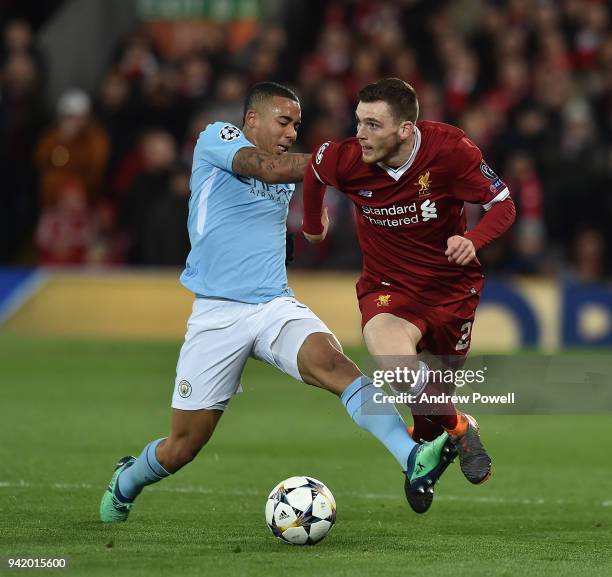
(146, 470)
(380, 419)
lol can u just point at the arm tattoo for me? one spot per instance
(268, 167)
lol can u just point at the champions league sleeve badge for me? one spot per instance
(229, 133)
(487, 171)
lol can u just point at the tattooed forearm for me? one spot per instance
(269, 167)
(295, 165)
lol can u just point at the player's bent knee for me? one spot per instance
(321, 351)
(332, 362)
(389, 335)
(187, 450)
(191, 430)
(178, 452)
(322, 364)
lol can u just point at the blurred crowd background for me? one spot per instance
(97, 172)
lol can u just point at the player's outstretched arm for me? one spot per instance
(270, 168)
(316, 220)
(496, 221)
(316, 238)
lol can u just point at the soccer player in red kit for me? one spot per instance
(421, 279)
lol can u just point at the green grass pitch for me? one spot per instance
(69, 409)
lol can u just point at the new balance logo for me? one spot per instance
(428, 210)
(366, 193)
(283, 515)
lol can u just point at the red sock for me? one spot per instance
(424, 429)
(448, 422)
(441, 414)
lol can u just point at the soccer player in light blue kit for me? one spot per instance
(244, 308)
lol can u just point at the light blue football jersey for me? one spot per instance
(236, 225)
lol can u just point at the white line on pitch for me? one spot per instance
(194, 489)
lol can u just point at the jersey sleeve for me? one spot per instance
(313, 192)
(324, 164)
(493, 224)
(219, 143)
(473, 179)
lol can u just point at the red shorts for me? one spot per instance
(446, 329)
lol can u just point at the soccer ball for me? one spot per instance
(300, 511)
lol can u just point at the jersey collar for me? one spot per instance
(397, 173)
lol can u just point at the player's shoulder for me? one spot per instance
(447, 143)
(342, 155)
(217, 145)
(350, 148)
(220, 132)
(440, 132)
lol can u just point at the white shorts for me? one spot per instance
(222, 335)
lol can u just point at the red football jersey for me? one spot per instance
(406, 215)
